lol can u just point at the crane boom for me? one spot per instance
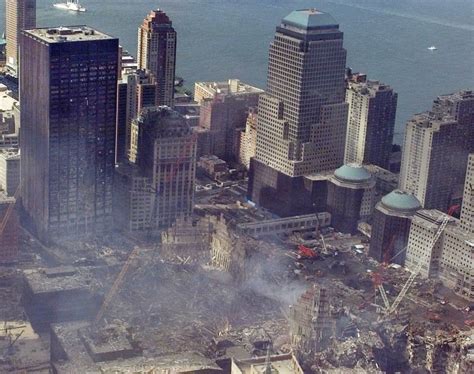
(413, 275)
(384, 296)
(116, 285)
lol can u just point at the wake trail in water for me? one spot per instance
(434, 21)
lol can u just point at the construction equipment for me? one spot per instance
(116, 285)
(306, 253)
(414, 274)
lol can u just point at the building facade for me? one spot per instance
(9, 238)
(370, 122)
(136, 90)
(350, 197)
(248, 139)
(9, 171)
(158, 184)
(223, 114)
(451, 258)
(157, 53)
(303, 114)
(436, 149)
(68, 86)
(20, 15)
(391, 226)
(467, 210)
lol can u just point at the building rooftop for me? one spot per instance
(368, 87)
(382, 174)
(401, 201)
(232, 87)
(28, 354)
(281, 364)
(63, 34)
(309, 19)
(6, 101)
(352, 173)
(59, 279)
(10, 154)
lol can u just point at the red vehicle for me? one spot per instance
(306, 252)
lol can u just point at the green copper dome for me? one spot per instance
(352, 173)
(401, 200)
(309, 18)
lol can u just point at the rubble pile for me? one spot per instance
(174, 308)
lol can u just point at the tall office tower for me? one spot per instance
(370, 122)
(20, 15)
(136, 90)
(303, 114)
(158, 185)
(68, 91)
(157, 53)
(467, 211)
(436, 149)
(223, 114)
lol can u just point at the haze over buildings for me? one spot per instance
(144, 264)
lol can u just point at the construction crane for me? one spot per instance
(115, 286)
(389, 309)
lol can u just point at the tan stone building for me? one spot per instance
(248, 139)
(157, 53)
(20, 15)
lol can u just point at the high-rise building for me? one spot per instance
(450, 259)
(467, 210)
(68, 91)
(302, 116)
(436, 148)
(223, 114)
(20, 15)
(158, 185)
(136, 90)
(370, 122)
(157, 53)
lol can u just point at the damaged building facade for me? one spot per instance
(451, 258)
(157, 186)
(67, 129)
(311, 324)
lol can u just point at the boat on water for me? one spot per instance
(72, 5)
(432, 48)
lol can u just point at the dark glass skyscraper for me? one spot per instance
(68, 85)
